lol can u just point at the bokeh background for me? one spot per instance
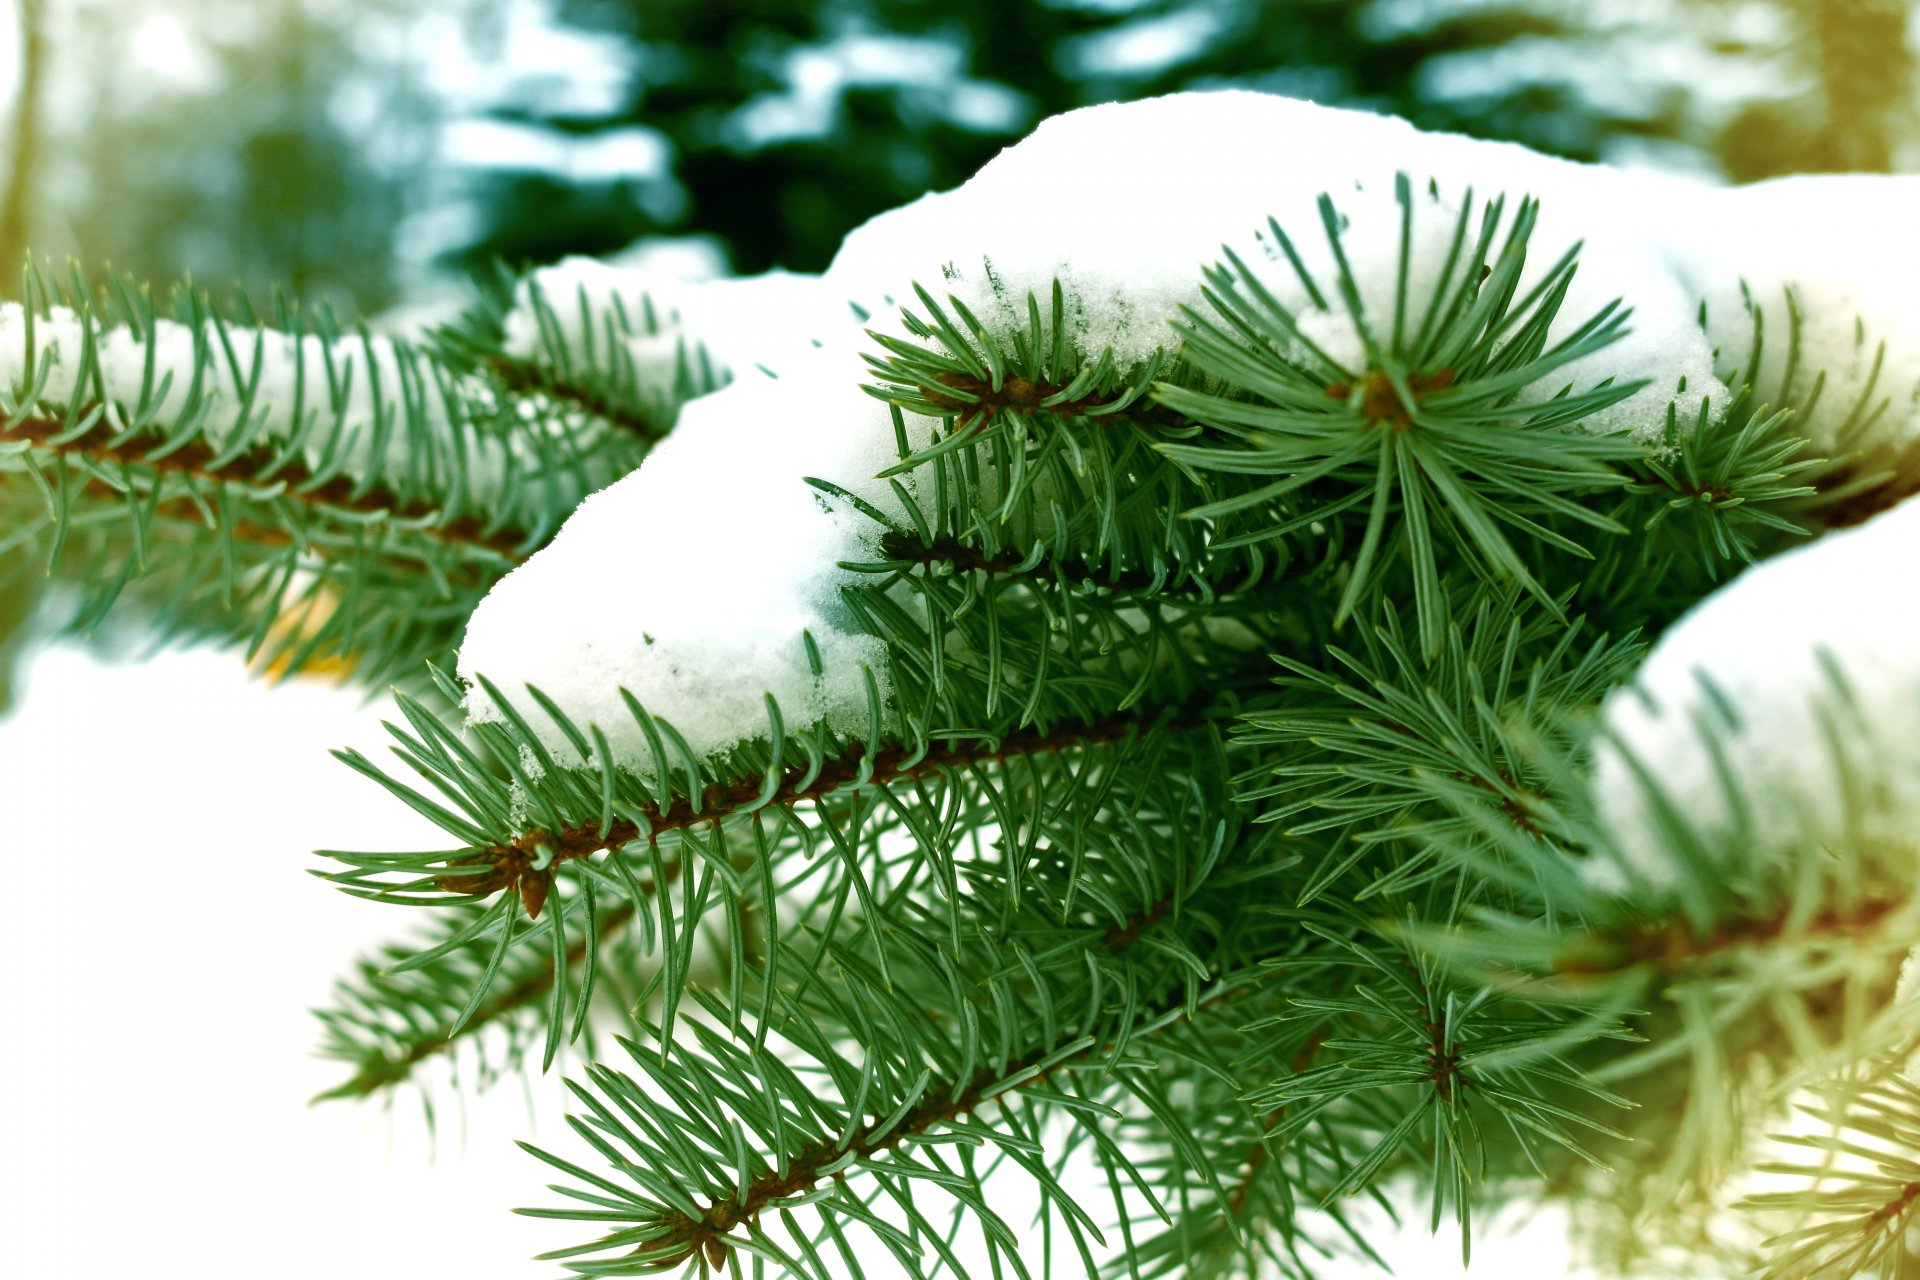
(370, 151)
(163, 939)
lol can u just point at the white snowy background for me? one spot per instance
(158, 1052)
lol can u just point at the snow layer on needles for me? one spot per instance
(1843, 246)
(1125, 204)
(1769, 644)
(690, 581)
(767, 320)
(274, 383)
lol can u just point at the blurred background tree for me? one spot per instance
(363, 151)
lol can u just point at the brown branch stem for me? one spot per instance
(195, 461)
(519, 867)
(1675, 946)
(529, 377)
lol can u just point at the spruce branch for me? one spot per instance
(1451, 1053)
(743, 826)
(525, 865)
(388, 1025)
(1722, 491)
(1856, 471)
(236, 477)
(1400, 764)
(889, 1116)
(1439, 436)
(1007, 904)
(583, 363)
(1861, 1182)
(107, 455)
(527, 816)
(1746, 978)
(1051, 456)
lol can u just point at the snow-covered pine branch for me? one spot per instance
(732, 483)
(630, 346)
(935, 675)
(328, 467)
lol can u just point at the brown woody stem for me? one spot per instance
(194, 461)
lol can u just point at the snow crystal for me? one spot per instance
(691, 581)
(1841, 244)
(1074, 201)
(1801, 671)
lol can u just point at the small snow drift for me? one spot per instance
(739, 323)
(704, 569)
(1833, 256)
(1125, 204)
(1816, 647)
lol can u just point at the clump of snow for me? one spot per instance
(663, 321)
(1803, 675)
(1125, 203)
(691, 581)
(1843, 245)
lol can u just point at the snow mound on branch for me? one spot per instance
(690, 581)
(1125, 203)
(1843, 245)
(1819, 650)
(742, 322)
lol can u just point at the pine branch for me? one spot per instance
(236, 477)
(1675, 949)
(1746, 978)
(527, 377)
(586, 361)
(843, 799)
(1010, 896)
(388, 1025)
(667, 1234)
(1436, 435)
(1255, 1166)
(957, 556)
(101, 447)
(526, 864)
(1402, 763)
(1861, 1192)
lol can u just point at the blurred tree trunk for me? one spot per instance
(24, 154)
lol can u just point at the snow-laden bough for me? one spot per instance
(723, 562)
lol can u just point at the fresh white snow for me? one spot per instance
(1125, 203)
(1815, 651)
(690, 581)
(1843, 245)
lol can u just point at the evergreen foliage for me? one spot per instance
(1180, 848)
(267, 490)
